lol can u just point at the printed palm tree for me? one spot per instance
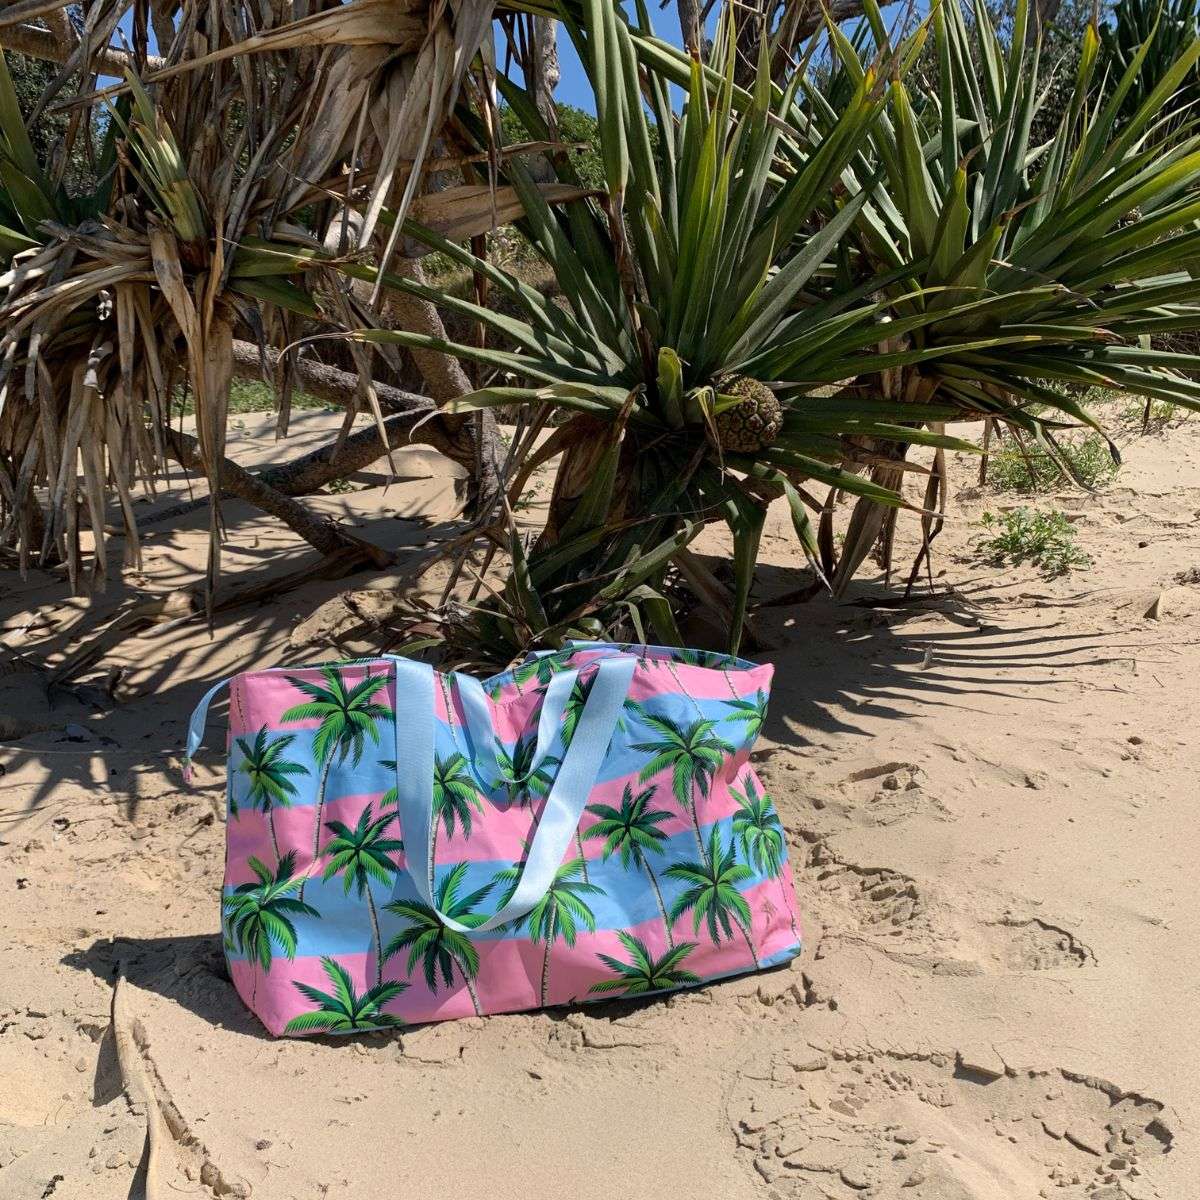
(542, 669)
(439, 948)
(750, 713)
(268, 772)
(258, 916)
(521, 782)
(757, 827)
(360, 855)
(701, 658)
(575, 705)
(392, 796)
(517, 775)
(688, 658)
(631, 832)
(708, 659)
(711, 894)
(558, 914)
(345, 1010)
(348, 718)
(574, 709)
(455, 797)
(694, 755)
(645, 973)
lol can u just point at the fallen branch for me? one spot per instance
(327, 383)
(137, 1085)
(455, 437)
(306, 474)
(319, 532)
(312, 471)
(164, 613)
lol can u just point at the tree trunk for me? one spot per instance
(274, 839)
(444, 376)
(798, 23)
(319, 379)
(319, 532)
(1042, 17)
(43, 44)
(576, 470)
(696, 828)
(376, 935)
(446, 380)
(751, 29)
(320, 809)
(545, 70)
(432, 853)
(582, 859)
(471, 990)
(311, 472)
(689, 27)
(662, 908)
(546, 970)
(455, 437)
(542, 75)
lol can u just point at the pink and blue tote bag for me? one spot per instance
(405, 845)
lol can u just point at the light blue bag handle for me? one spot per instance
(477, 713)
(196, 726)
(564, 805)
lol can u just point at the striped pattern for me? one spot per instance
(678, 873)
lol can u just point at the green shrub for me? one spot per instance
(1045, 539)
(252, 396)
(1010, 470)
(575, 126)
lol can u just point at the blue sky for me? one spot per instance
(573, 86)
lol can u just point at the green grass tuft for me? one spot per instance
(1045, 539)
(1035, 471)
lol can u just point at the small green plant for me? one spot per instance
(1151, 416)
(1045, 539)
(252, 396)
(340, 486)
(1011, 470)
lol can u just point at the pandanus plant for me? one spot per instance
(1026, 274)
(246, 139)
(1168, 27)
(693, 284)
(777, 289)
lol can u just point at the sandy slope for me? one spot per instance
(991, 805)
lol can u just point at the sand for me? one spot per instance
(990, 797)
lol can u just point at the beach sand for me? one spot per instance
(990, 796)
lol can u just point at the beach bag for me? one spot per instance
(405, 845)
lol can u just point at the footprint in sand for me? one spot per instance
(942, 1127)
(885, 794)
(887, 910)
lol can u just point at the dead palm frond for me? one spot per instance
(255, 129)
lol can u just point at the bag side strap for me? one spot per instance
(196, 725)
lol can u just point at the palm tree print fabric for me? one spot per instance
(678, 874)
